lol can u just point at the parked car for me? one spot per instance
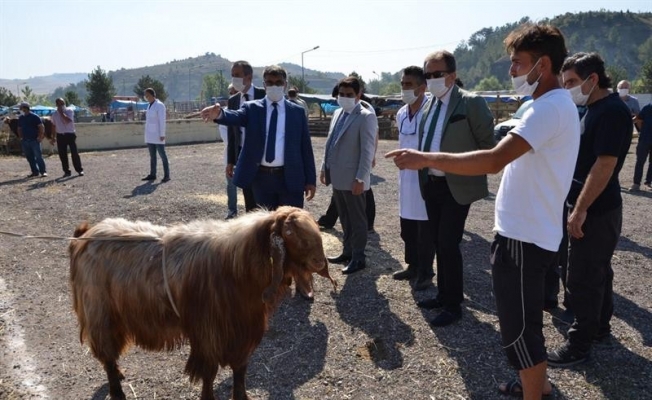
(501, 129)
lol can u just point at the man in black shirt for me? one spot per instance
(595, 219)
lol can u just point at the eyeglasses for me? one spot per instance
(435, 75)
(412, 125)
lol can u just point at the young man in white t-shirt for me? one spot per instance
(539, 158)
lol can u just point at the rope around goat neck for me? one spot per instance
(115, 239)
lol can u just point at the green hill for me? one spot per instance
(183, 79)
(624, 39)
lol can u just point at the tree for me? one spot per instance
(7, 98)
(363, 85)
(617, 74)
(214, 85)
(78, 88)
(302, 85)
(645, 50)
(100, 88)
(489, 83)
(71, 98)
(145, 82)
(27, 92)
(390, 88)
(644, 82)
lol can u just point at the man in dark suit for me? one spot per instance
(349, 153)
(455, 121)
(277, 159)
(241, 78)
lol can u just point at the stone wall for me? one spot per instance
(120, 135)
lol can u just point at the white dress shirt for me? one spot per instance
(279, 158)
(435, 146)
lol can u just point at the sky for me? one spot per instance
(44, 37)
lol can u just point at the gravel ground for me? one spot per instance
(366, 341)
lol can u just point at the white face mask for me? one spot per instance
(578, 97)
(521, 85)
(623, 92)
(347, 103)
(238, 83)
(437, 86)
(408, 96)
(275, 93)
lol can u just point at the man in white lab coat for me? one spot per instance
(155, 135)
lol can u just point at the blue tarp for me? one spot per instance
(137, 106)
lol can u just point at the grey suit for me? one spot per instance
(346, 160)
(467, 126)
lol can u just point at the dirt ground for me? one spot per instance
(366, 341)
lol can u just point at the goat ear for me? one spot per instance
(277, 259)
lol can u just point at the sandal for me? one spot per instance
(515, 389)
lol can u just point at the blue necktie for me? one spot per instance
(338, 127)
(270, 154)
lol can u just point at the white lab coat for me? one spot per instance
(410, 202)
(155, 123)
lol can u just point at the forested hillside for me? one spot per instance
(624, 39)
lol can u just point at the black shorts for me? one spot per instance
(518, 271)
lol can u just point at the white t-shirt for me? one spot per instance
(530, 200)
(410, 203)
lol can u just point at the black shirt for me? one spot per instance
(606, 129)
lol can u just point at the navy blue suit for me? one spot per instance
(299, 163)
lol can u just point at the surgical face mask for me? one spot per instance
(22, 112)
(347, 103)
(275, 93)
(437, 86)
(623, 92)
(408, 96)
(238, 83)
(521, 85)
(578, 97)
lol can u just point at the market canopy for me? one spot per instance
(136, 105)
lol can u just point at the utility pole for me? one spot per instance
(303, 76)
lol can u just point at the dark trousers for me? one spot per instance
(558, 270)
(330, 218)
(153, 149)
(643, 154)
(351, 210)
(32, 150)
(248, 194)
(63, 142)
(270, 191)
(590, 277)
(419, 252)
(446, 219)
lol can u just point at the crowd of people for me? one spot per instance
(558, 210)
(574, 140)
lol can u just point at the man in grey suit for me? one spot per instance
(350, 150)
(454, 121)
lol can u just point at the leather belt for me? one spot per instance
(270, 170)
(435, 178)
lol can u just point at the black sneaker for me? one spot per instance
(603, 342)
(566, 356)
(149, 178)
(66, 174)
